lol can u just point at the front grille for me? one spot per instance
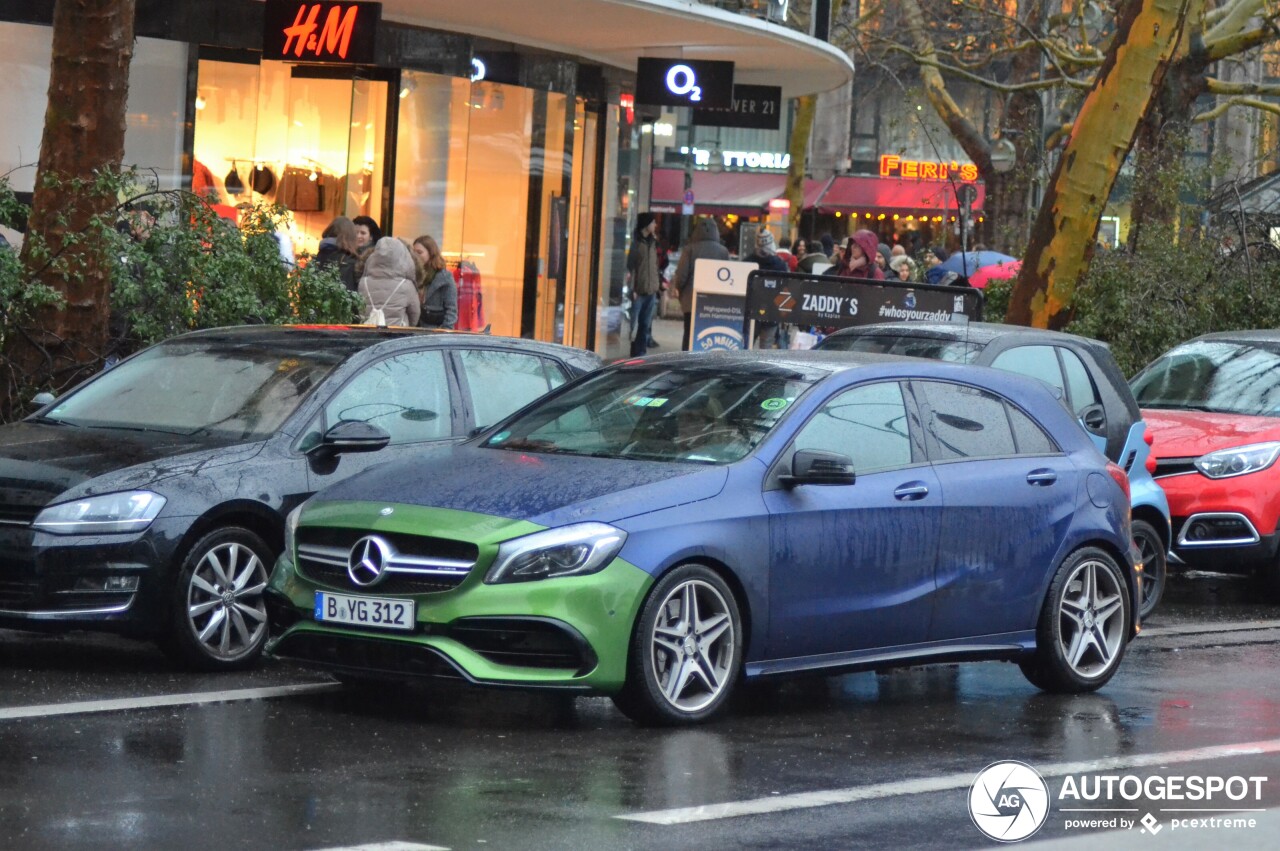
(417, 565)
(524, 642)
(367, 655)
(1174, 466)
(18, 515)
(18, 594)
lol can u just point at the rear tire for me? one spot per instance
(1155, 564)
(1084, 627)
(686, 650)
(217, 614)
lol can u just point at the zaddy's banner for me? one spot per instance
(829, 302)
(320, 32)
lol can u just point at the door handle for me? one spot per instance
(1043, 478)
(911, 491)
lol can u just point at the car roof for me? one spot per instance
(342, 341)
(811, 365)
(1257, 335)
(981, 333)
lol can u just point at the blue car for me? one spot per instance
(661, 530)
(1086, 374)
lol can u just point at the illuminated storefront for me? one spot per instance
(431, 117)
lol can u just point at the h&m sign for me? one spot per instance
(327, 31)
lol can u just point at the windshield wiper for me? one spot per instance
(52, 421)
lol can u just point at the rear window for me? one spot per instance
(953, 351)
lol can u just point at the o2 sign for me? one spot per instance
(684, 82)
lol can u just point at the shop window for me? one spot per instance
(308, 138)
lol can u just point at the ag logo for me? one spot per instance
(1008, 801)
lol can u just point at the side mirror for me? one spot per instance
(818, 467)
(1094, 418)
(42, 399)
(352, 436)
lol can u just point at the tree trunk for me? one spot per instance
(1062, 239)
(806, 107)
(84, 130)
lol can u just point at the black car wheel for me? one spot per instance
(1154, 564)
(1084, 625)
(686, 650)
(218, 617)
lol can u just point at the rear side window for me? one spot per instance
(1030, 438)
(1039, 362)
(504, 382)
(965, 422)
(1079, 384)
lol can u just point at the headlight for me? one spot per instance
(1238, 461)
(131, 511)
(291, 532)
(568, 551)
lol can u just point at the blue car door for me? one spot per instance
(851, 566)
(1009, 495)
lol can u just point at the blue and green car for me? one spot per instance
(662, 529)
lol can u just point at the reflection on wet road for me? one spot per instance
(865, 760)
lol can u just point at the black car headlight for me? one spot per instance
(1225, 463)
(127, 511)
(568, 551)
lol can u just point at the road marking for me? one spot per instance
(88, 706)
(946, 782)
(395, 845)
(1197, 629)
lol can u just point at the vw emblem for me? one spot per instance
(368, 559)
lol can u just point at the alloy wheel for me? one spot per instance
(225, 605)
(692, 645)
(1092, 620)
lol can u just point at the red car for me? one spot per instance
(1213, 407)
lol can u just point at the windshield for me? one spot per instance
(1217, 376)
(954, 351)
(240, 392)
(659, 413)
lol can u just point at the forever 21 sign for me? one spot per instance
(754, 107)
(295, 31)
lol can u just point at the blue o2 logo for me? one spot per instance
(681, 81)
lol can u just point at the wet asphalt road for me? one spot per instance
(894, 754)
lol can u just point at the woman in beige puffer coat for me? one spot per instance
(389, 283)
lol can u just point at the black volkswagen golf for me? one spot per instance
(151, 500)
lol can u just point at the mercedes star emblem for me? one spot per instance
(368, 560)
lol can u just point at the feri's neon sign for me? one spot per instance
(891, 166)
(320, 32)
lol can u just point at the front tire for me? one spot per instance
(1155, 564)
(686, 650)
(1084, 625)
(218, 617)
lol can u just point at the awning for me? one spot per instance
(618, 32)
(858, 194)
(742, 192)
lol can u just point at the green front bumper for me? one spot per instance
(600, 608)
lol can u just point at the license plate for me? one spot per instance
(378, 612)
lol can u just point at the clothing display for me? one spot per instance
(233, 183)
(264, 179)
(299, 192)
(470, 298)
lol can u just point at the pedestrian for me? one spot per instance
(828, 247)
(903, 268)
(642, 263)
(368, 234)
(338, 249)
(882, 258)
(704, 244)
(769, 335)
(388, 286)
(440, 298)
(934, 257)
(898, 250)
(856, 260)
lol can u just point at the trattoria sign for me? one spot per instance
(320, 32)
(891, 166)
